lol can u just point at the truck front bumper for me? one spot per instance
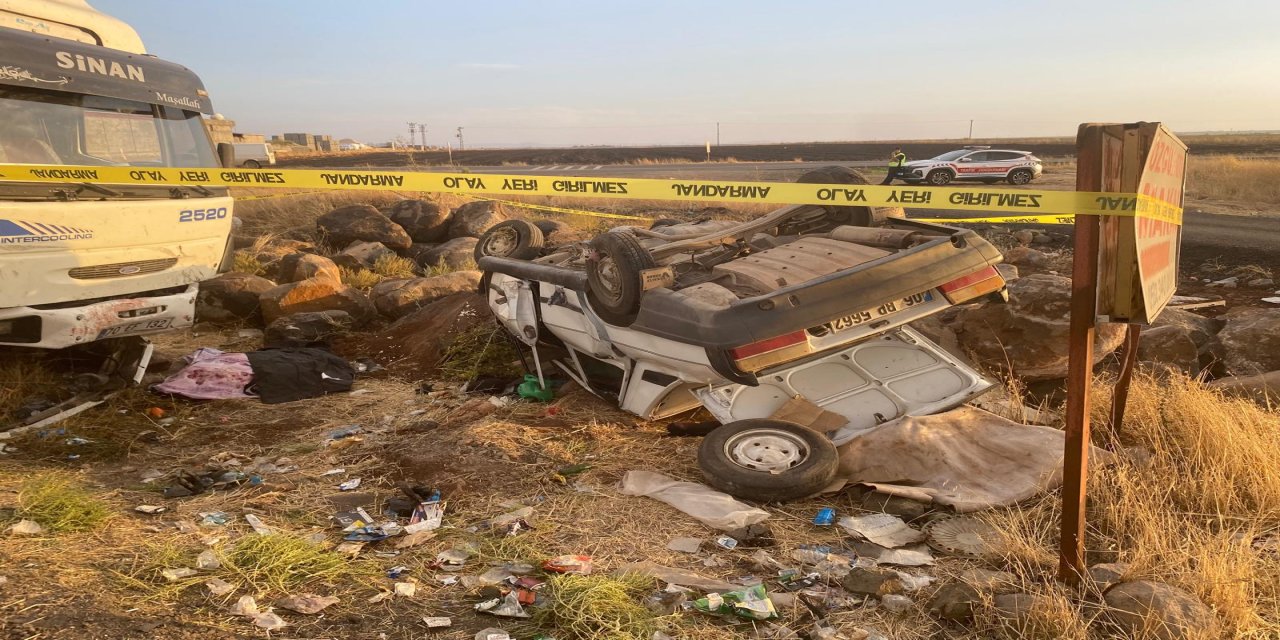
(56, 326)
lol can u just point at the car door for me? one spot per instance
(972, 165)
(1002, 162)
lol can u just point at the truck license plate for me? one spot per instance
(135, 327)
(886, 309)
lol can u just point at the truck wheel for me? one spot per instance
(614, 286)
(856, 216)
(767, 460)
(939, 177)
(516, 239)
(252, 164)
(1020, 176)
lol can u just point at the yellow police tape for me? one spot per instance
(1015, 201)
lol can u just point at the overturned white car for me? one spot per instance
(801, 312)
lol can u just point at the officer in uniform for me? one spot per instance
(897, 160)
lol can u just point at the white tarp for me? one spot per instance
(966, 458)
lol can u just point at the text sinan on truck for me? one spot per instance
(82, 260)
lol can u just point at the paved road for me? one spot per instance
(1235, 239)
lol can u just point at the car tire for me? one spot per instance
(1020, 176)
(251, 164)
(515, 239)
(767, 460)
(614, 285)
(939, 177)
(856, 216)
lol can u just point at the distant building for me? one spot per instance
(220, 129)
(301, 139)
(347, 144)
(249, 137)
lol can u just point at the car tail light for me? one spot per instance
(978, 283)
(766, 353)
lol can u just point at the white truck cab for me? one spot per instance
(82, 260)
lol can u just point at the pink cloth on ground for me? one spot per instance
(211, 375)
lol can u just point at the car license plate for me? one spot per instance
(886, 309)
(135, 327)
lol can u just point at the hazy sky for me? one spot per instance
(565, 72)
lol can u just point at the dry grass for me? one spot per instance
(1197, 486)
(279, 562)
(1252, 180)
(597, 606)
(60, 504)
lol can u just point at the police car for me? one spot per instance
(975, 163)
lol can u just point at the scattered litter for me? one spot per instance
(397, 571)
(245, 606)
(685, 545)
(26, 528)
(334, 472)
(352, 520)
(342, 433)
(915, 556)
(380, 596)
(257, 524)
(726, 542)
(208, 560)
(174, 575)
(883, 529)
(219, 587)
(77, 441)
(569, 564)
(452, 559)
(149, 509)
(493, 633)
(1272, 300)
(190, 484)
(895, 603)
(414, 539)
(306, 603)
(752, 603)
(269, 621)
(437, 622)
(681, 577)
(427, 516)
(209, 375)
(507, 606)
(963, 536)
(825, 517)
(711, 507)
(156, 412)
(447, 580)
(349, 549)
(213, 518)
(353, 483)
(406, 589)
(913, 583)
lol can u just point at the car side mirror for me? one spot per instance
(226, 155)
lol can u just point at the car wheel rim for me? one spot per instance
(940, 179)
(1020, 178)
(502, 242)
(766, 450)
(607, 270)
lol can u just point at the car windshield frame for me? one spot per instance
(952, 155)
(61, 128)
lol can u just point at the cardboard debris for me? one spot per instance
(306, 603)
(883, 529)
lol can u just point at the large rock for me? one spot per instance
(1251, 339)
(454, 254)
(362, 255)
(398, 298)
(423, 220)
(315, 295)
(1026, 257)
(419, 250)
(231, 297)
(1169, 346)
(307, 328)
(1157, 610)
(871, 582)
(1263, 388)
(474, 218)
(1029, 333)
(956, 601)
(361, 222)
(296, 267)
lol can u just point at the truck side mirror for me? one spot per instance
(227, 155)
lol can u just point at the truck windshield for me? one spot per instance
(50, 127)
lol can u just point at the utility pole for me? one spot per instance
(461, 147)
(717, 134)
(422, 129)
(971, 129)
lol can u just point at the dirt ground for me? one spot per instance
(485, 459)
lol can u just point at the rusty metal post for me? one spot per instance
(1120, 396)
(1090, 161)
